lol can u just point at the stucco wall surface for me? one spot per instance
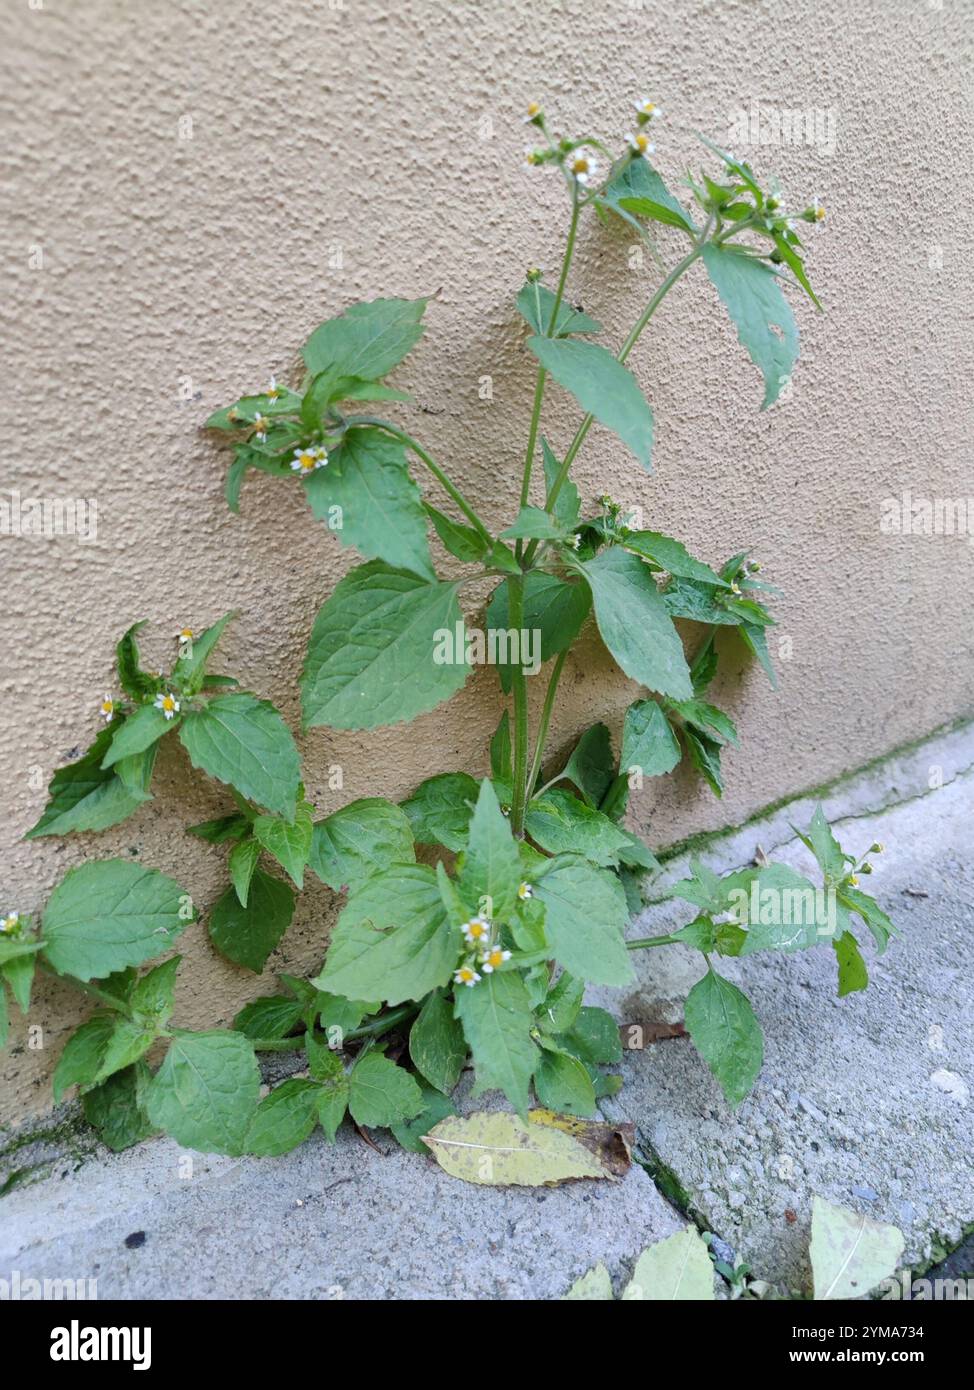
(205, 182)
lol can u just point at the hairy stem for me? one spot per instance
(375, 1029)
(515, 590)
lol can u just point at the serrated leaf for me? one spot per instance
(393, 941)
(283, 1119)
(640, 182)
(372, 657)
(360, 840)
(381, 507)
(206, 1091)
(726, 1033)
(676, 1268)
(248, 934)
(567, 506)
(85, 796)
(491, 868)
(562, 1082)
(271, 1017)
(440, 809)
(245, 743)
(189, 670)
(241, 866)
(603, 387)
(561, 823)
(497, 1021)
(534, 523)
(462, 541)
(670, 555)
(593, 1036)
(591, 767)
(109, 914)
(137, 732)
(648, 741)
(552, 607)
(634, 623)
(705, 755)
(496, 1148)
(586, 917)
(332, 1104)
(536, 305)
(220, 830)
(853, 974)
(289, 842)
(850, 1254)
(593, 1286)
(81, 1057)
(751, 294)
(19, 975)
(153, 994)
(380, 1093)
(410, 1133)
(436, 1043)
(114, 1109)
(137, 684)
(368, 340)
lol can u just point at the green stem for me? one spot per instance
(375, 1029)
(675, 274)
(549, 704)
(515, 590)
(645, 941)
(103, 997)
(432, 465)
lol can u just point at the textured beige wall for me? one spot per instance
(392, 132)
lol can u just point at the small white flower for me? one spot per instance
(466, 975)
(167, 703)
(305, 460)
(273, 392)
(735, 587)
(641, 143)
(818, 210)
(490, 960)
(532, 156)
(525, 891)
(185, 634)
(582, 167)
(10, 922)
(648, 110)
(532, 113)
(107, 709)
(575, 541)
(321, 456)
(261, 423)
(477, 930)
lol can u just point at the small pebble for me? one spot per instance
(136, 1239)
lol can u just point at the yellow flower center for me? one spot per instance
(306, 461)
(642, 143)
(533, 108)
(168, 703)
(476, 930)
(819, 213)
(466, 974)
(495, 959)
(107, 706)
(580, 164)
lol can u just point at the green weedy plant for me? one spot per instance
(486, 952)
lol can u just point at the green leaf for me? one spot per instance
(440, 808)
(676, 1268)
(372, 658)
(639, 183)
(551, 607)
(128, 1042)
(410, 1133)
(436, 1043)
(206, 1091)
(568, 505)
(586, 917)
(283, 1119)
(332, 1104)
(248, 934)
(380, 1093)
(825, 847)
(271, 1017)
(368, 340)
(381, 508)
(871, 913)
(850, 1254)
(562, 1083)
(670, 555)
(756, 640)
(235, 477)
(725, 1032)
(560, 823)
(289, 842)
(85, 796)
(648, 742)
(533, 523)
(137, 732)
(707, 719)
(109, 914)
(241, 864)
(593, 1287)
(4, 1018)
(593, 1036)
(497, 1021)
(494, 1148)
(752, 296)
(536, 305)
(500, 751)
(358, 841)
(81, 1057)
(219, 831)
(152, 996)
(591, 767)
(137, 684)
(705, 755)
(190, 669)
(462, 541)
(114, 1109)
(701, 603)
(393, 940)
(853, 974)
(19, 975)
(780, 908)
(245, 743)
(560, 1008)
(634, 623)
(491, 868)
(603, 387)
